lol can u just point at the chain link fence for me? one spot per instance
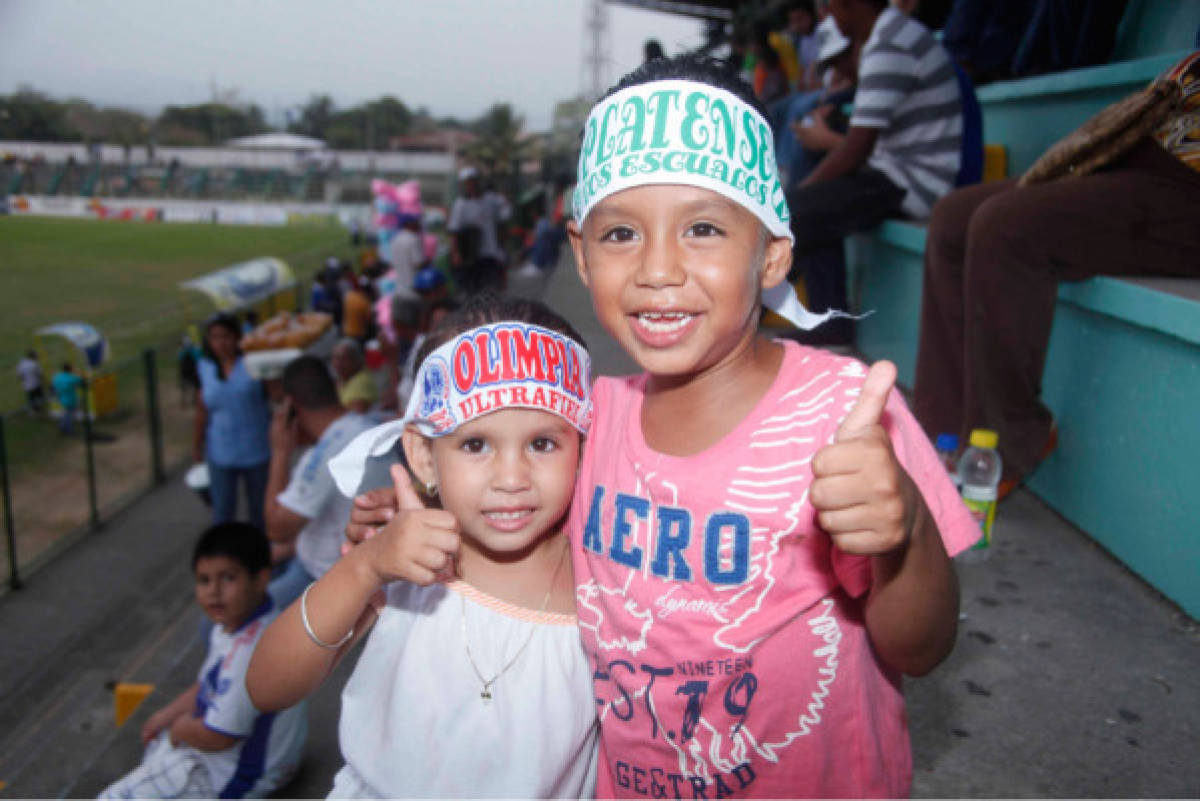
(57, 488)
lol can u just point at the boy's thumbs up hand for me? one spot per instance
(863, 497)
(868, 410)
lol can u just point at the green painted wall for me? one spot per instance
(1151, 27)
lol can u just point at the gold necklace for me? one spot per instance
(486, 694)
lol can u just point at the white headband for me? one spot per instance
(496, 366)
(684, 132)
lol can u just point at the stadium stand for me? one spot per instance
(1117, 343)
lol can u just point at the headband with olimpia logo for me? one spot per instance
(684, 132)
(492, 367)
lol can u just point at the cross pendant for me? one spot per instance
(486, 695)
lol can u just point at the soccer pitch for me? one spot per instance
(123, 277)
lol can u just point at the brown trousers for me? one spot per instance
(993, 259)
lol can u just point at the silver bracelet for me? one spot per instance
(308, 626)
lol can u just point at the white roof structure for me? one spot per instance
(277, 140)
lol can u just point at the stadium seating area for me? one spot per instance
(1123, 370)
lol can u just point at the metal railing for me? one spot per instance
(55, 491)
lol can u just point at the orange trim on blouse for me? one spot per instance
(511, 610)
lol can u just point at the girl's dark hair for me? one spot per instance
(488, 307)
(230, 324)
(691, 67)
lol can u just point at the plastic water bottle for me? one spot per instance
(946, 446)
(979, 475)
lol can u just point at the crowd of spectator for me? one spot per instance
(996, 252)
(995, 256)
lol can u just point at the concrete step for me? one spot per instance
(1122, 375)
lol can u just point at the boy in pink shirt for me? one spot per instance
(726, 630)
(761, 530)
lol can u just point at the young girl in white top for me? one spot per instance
(474, 681)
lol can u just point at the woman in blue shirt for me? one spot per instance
(233, 418)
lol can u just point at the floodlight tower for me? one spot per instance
(595, 49)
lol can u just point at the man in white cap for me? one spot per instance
(900, 154)
(801, 139)
(475, 252)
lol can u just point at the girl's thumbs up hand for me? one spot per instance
(863, 497)
(418, 544)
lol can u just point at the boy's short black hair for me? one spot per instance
(241, 542)
(692, 67)
(306, 380)
(488, 307)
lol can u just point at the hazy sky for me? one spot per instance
(455, 57)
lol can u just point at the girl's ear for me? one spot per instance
(777, 261)
(419, 454)
(575, 237)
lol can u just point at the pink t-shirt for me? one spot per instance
(725, 632)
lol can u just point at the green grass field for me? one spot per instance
(123, 277)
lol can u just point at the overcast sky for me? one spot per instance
(456, 57)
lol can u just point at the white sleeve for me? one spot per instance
(503, 209)
(230, 710)
(310, 487)
(885, 80)
(416, 252)
(454, 224)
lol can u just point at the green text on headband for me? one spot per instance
(683, 132)
(483, 370)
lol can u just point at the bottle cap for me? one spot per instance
(946, 442)
(984, 438)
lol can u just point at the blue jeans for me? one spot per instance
(223, 485)
(795, 161)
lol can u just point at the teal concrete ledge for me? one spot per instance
(1122, 377)
(1156, 26)
(1137, 73)
(1169, 306)
(1137, 303)
(1027, 116)
(909, 236)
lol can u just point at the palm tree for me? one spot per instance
(499, 147)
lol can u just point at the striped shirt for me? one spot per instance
(908, 90)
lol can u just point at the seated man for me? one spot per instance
(900, 154)
(303, 506)
(996, 252)
(808, 133)
(357, 312)
(355, 384)
(210, 741)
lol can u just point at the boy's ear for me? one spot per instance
(777, 261)
(419, 454)
(575, 237)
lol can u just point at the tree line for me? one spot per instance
(31, 115)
